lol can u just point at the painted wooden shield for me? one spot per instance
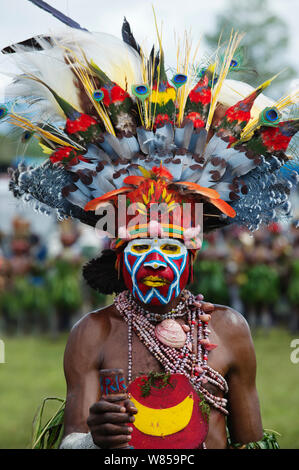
(169, 417)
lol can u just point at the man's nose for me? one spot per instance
(155, 260)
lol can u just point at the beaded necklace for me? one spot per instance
(178, 311)
(188, 360)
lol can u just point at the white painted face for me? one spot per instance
(155, 269)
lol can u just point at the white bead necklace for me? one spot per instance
(185, 360)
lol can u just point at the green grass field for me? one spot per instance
(33, 370)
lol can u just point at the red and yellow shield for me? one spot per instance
(168, 418)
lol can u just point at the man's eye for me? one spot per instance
(170, 248)
(140, 248)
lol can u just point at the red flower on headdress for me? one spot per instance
(80, 125)
(162, 172)
(235, 114)
(161, 119)
(274, 227)
(232, 139)
(274, 140)
(202, 96)
(114, 95)
(66, 155)
(118, 94)
(106, 100)
(196, 119)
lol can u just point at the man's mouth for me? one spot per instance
(155, 281)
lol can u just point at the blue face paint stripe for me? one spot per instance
(179, 272)
(154, 292)
(137, 261)
(152, 262)
(132, 270)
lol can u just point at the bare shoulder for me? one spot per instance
(88, 336)
(94, 324)
(229, 322)
(235, 333)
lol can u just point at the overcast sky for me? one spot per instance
(20, 19)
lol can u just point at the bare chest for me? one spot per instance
(143, 361)
(116, 356)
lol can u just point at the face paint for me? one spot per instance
(155, 270)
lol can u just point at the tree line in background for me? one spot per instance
(264, 48)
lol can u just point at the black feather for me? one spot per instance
(31, 43)
(57, 14)
(128, 37)
(153, 63)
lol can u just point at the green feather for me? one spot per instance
(104, 79)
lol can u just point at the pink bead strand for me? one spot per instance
(174, 360)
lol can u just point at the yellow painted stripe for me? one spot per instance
(163, 422)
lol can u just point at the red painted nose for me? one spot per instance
(155, 260)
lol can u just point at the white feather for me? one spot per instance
(118, 60)
(49, 66)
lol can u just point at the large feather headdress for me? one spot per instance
(113, 123)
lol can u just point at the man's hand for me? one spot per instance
(109, 422)
(207, 307)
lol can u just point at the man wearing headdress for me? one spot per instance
(122, 136)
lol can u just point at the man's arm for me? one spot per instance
(244, 420)
(82, 361)
(91, 422)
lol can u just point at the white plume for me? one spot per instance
(120, 62)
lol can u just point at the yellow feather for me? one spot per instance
(84, 74)
(185, 66)
(145, 173)
(159, 36)
(45, 149)
(152, 190)
(145, 199)
(162, 97)
(253, 124)
(25, 124)
(234, 41)
(212, 68)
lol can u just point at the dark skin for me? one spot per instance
(99, 341)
